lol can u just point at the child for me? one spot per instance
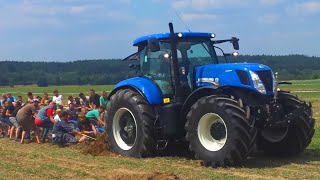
(62, 133)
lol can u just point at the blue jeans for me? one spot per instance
(46, 125)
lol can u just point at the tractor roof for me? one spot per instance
(167, 36)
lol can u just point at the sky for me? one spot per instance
(68, 30)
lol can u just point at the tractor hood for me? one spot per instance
(257, 77)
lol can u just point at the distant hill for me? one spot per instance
(111, 71)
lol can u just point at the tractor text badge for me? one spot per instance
(214, 81)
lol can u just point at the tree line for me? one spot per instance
(111, 71)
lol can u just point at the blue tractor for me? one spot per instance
(223, 111)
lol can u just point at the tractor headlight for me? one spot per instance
(257, 82)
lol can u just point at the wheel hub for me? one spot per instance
(218, 131)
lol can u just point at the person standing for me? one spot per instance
(94, 99)
(45, 119)
(13, 120)
(57, 98)
(25, 117)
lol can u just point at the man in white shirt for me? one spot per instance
(57, 98)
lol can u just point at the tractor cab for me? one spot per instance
(192, 49)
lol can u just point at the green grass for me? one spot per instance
(32, 161)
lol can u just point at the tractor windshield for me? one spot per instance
(197, 52)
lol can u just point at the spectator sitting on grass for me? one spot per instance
(94, 116)
(62, 133)
(87, 128)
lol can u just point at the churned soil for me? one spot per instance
(96, 147)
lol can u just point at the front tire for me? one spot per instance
(219, 132)
(129, 124)
(299, 132)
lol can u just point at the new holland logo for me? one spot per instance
(214, 81)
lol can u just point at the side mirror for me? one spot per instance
(154, 45)
(235, 43)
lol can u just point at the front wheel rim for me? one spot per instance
(212, 132)
(124, 128)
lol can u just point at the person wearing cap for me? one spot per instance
(25, 117)
(45, 119)
(62, 133)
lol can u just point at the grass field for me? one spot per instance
(32, 161)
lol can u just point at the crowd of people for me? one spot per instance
(75, 122)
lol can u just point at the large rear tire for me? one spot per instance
(129, 124)
(219, 132)
(299, 132)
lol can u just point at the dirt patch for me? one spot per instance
(134, 175)
(96, 147)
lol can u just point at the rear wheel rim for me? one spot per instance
(124, 128)
(212, 132)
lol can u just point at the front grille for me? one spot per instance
(266, 78)
(243, 76)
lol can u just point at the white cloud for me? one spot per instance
(268, 18)
(197, 16)
(271, 2)
(305, 8)
(205, 4)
